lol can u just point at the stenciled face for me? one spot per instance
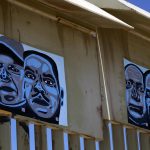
(40, 86)
(11, 76)
(135, 92)
(147, 95)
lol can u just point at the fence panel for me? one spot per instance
(58, 140)
(89, 144)
(74, 142)
(22, 135)
(132, 139)
(40, 137)
(145, 141)
(118, 137)
(5, 133)
(105, 144)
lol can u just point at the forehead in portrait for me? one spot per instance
(147, 79)
(41, 83)
(11, 73)
(134, 73)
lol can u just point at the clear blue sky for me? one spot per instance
(144, 4)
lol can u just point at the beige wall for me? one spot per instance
(81, 63)
(116, 45)
(113, 46)
(139, 51)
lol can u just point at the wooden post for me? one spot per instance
(89, 144)
(40, 137)
(5, 133)
(145, 141)
(74, 142)
(105, 144)
(58, 140)
(118, 137)
(132, 139)
(22, 135)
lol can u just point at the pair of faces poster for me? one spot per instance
(137, 94)
(32, 82)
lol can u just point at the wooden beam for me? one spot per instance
(22, 135)
(118, 137)
(74, 142)
(5, 133)
(58, 140)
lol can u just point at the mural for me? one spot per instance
(137, 94)
(32, 82)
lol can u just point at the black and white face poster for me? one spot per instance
(137, 94)
(32, 82)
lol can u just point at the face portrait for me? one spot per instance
(11, 77)
(135, 92)
(147, 93)
(41, 85)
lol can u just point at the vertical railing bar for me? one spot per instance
(13, 134)
(111, 136)
(97, 145)
(49, 138)
(81, 143)
(138, 140)
(31, 136)
(125, 138)
(66, 145)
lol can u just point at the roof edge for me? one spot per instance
(98, 11)
(136, 9)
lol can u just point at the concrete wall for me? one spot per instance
(115, 46)
(81, 62)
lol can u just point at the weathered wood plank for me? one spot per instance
(89, 144)
(40, 138)
(118, 137)
(145, 141)
(105, 143)
(113, 43)
(132, 139)
(22, 135)
(84, 49)
(74, 142)
(58, 140)
(5, 133)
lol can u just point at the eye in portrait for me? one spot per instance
(11, 73)
(42, 91)
(135, 95)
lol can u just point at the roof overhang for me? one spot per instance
(98, 12)
(135, 16)
(77, 11)
(135, 8)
